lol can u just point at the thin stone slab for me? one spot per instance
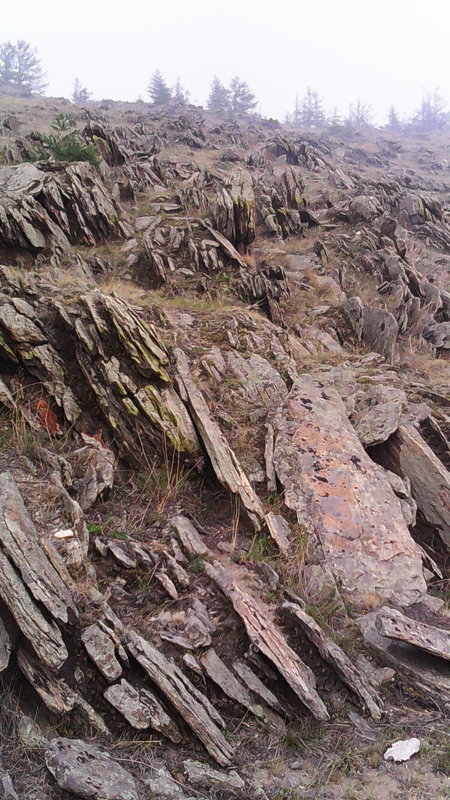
(102, 650)
(141, 709)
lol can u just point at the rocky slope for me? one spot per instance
(224, 487)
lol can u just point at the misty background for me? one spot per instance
(388, 52)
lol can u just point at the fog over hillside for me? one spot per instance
(385, 52)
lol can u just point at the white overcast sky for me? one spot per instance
(384, 51)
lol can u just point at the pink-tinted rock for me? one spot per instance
(340, 496)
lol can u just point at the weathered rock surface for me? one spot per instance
(199, 774)
(141, 709)
(29, 579)
(189, 702)
(338, 495)
(408, 454)
(63, 205)
(394, 625)
(428, 674)
(86, 771)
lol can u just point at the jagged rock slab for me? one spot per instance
(428, 674)
(55, 693)
(338, 494)
(334, 655)
(189, 702)
(408, 453)
(102, 650)
(189, 536)
(70, 203)
(199, 774)
(19, 542)
(256, 685)
(267, 638)
(225, 463)
(141, 709)
(6, 646)
(87, 772)
(44, 636)
(378, 416)
(394, 625)
(123, 359)
(224, 678)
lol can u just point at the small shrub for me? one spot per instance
(94, 528)
(66, 143)
(197, 565)
(119, 535)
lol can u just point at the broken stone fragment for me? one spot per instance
(193, 706)
(226, 466)
(378, 414)
(93, 470)
(6, 646)
(224, 678)
(30, 734)
(7, 791)
(162, 785)
(267, 638)
(87, 772)
(407, 453)
(141, 709)
(202, 775)
(395, 625)
(189, 536)
(334, 655)
(428, 674)
(102, 650)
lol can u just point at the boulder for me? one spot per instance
(408, 454)
(199, 774)
(378, 414)
(364, 209)
(86, 771)
(339, 495)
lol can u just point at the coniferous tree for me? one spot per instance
(21, 70)
(158, 89)
(296, 114)
(393, 123)
(359, 115)
(335, 121)
(242, 99)
(180, 93)
(219, 96)
(311, 114)
(80, 94)
(432, 114)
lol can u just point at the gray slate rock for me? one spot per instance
(87, 772)
(201, 775)
(7, 791)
